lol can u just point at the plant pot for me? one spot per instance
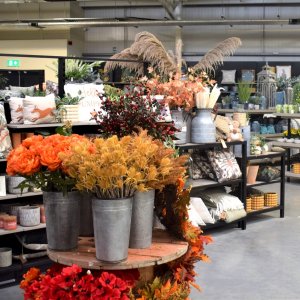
(112, 218)
(63, 219)
(29, 215)
(251, 174)
(5, 257)
(12, 182)
(142, 220)
(203, 129)
(86, 215)
(70, 113)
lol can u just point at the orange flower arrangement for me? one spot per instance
(37, 159)
(178, 92)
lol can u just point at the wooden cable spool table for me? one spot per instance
(164, 248)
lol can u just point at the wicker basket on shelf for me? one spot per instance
(248, 204)
(296, 168)
(257, 202)
(271, 199)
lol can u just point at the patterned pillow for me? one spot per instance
(39, 110)
(228, 76)
(224, 165)
(5, 142)
(16, 110)
(201, 167)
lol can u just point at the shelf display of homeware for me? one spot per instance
(137, 164)
(37, 159)
(244, 89)
(258, 145)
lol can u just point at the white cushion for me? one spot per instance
(16, 110)
(194, 216)
(202, 210)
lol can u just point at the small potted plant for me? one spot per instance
(226, 102)
(244, 92)
(67, 108)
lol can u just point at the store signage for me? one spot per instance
(13, 63)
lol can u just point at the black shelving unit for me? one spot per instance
(263, 159)
(201, 184)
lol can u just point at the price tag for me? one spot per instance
(223, 144)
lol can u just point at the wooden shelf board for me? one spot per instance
(15, 196)
(249, 111)
(220, 224)
(22, 229)
(264, 210)
(286, 144)
(266, 156)
(206, 145)
(203, 183)
(164, 248)
(288, 116)
(258, 183)
(291, 174)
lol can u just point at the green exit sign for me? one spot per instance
(13, 63)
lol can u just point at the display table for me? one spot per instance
(164, 248)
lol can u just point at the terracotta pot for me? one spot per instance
(251, 174)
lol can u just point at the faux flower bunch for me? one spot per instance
(74, 283)
(116, 168)
(37, 159)
(126, 114)
(178, 91)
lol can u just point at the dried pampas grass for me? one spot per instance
(137, 66)
(215, 57)
(149, 49)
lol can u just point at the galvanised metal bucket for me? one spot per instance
(203, 129)
(112, 218)
(142, 220)
(86, 227)
(63, 219)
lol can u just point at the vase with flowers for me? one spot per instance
(113, 169)
(37, 159)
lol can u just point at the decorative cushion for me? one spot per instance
(4, 94)
(228, 76)
(202, 210)
(16, 110)
(194, 216)
(90, 101)
(267, 173)
(5, 142)
(200, 166)
(51, 87)
(224, 165)
(27, 91)
(39, 110)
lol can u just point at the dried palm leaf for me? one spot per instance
(148, 48)
(215, 57)
(137, 66)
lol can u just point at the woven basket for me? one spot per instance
(296, 168)
(248, 204)
(222, 124)
(240, 117)
(271, 199)
(257, 202)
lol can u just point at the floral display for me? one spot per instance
(72, 282)
(134, 162)
(37, 159)
(178, 91)
(128, 113)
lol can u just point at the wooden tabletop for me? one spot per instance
(164, 248)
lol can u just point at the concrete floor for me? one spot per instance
(260, 263)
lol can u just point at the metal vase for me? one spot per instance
(63, 219)
(112, 218)
(142, 220)
(203, 129)
(86, 227)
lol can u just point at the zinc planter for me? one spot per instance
(29, 215)
(63, 219)
(203, 129)
(142, 220)
(112, 218)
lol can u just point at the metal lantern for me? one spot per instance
(266, 85)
